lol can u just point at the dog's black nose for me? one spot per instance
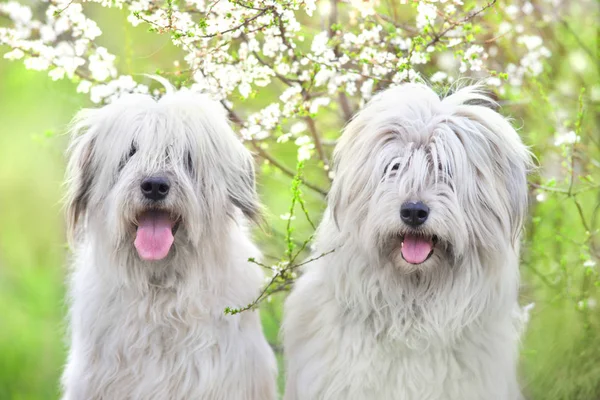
(414, 213)
(155, 188)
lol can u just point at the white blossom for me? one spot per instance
(566, 138)
(512, 11)
(473, 58)
(527, 8)
(115, 88)
(541, 197)
(426, 14)
(527, 312)
(578, 61)
(37, 63)
(305, 147)
(438, 77)
(287, 217)
(15, 54)
(298, 127)
(318, 102)
(309, 7)
(84, 87)
(238, 50)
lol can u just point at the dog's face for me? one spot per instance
(420, 181)
(151, 176)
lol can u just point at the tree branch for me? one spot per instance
(333, 19)
(454, 24)
(266, 156)
(312, 127)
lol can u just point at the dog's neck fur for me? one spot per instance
(420, 308)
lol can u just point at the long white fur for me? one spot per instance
(362, 323)
(157, 330)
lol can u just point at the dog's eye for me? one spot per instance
(392, 167)
(132, 151)
(189, 163)
(444, 170)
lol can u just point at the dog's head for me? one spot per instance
(152, 176)
(422, 180)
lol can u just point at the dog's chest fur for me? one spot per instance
(386, 369)
(368, 352)
(164, 343)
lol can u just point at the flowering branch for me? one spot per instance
(317, 71)
(284, 271)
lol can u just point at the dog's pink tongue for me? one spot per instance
(154, 235)
(416, 249)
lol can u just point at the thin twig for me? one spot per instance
(578, 39)
(314, 259)
(333, 19)
(541, 276)
(396, 24)
(244, 23)
(454, 24)
(312, 127)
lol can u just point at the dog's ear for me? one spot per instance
(519, 165)
(242, 188)
(512, 159)
(334, 199)
(514, 162)
(79, 175)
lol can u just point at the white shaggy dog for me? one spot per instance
(155, 202)
(417, 302)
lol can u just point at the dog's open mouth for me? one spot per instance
(155, 234)
(417, 249)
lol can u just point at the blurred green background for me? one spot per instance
(561, 348)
